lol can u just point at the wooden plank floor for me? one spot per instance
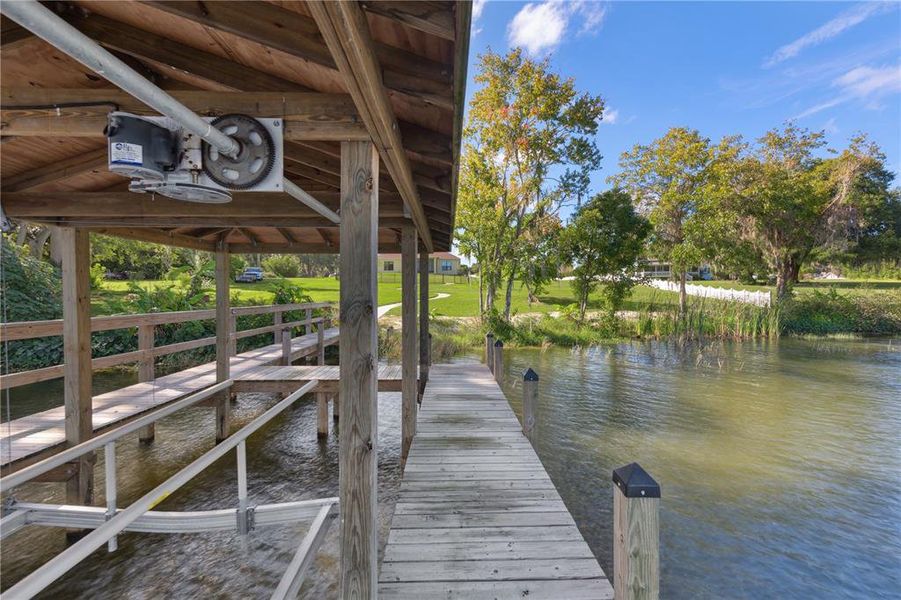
(288, 378)
(477, 515)
(28, 436)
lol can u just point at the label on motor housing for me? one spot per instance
(122, 153)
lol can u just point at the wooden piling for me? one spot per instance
(358, 356)
(336, 407)
(276, 321)
(636, 535)
(76, 265)
(286, 348)
(321, 415)
(409, 391)
(146, 373)
(489, 351)
(498, 356)
(224, 324)
(529, 401)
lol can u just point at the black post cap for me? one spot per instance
(634, 482)
(489, 334)
(498, 344)
(530, 375)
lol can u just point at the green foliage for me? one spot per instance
(787, 201)
(236, 265)
(139, 260)
(524, 122)
(667, 179)
(824, 313)
(282, 265)
(96, 275)
(604, 241)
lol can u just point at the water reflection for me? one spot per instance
(779, 464)
(778, 461)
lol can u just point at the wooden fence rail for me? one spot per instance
(146, 352)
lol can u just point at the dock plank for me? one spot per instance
(477, 516)
(39, 433)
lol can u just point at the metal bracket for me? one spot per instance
(246, 520)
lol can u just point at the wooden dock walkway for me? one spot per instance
(278, 379)
(477, 515)
(28, 438)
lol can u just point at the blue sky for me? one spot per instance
(720, 67)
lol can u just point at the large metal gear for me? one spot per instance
(254, 160)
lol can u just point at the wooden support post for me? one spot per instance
(76, 266)
(497, 354)
(336, 407)
(424, 359)
(308, 325)
(529, 401)
(286, 348)
(232, 334)
(409, 391)
(321, 415)
(277, 320)
(320, 343)
(636, 534)
(489, 351)
(145, 373)
(358, 351)
(224, 324)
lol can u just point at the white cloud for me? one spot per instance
(477, 7)
(540, 27)
(830, 126)
(869, 84)
(610, 117)
(851, 17)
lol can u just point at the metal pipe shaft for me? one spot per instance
(45, 24)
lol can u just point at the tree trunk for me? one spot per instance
(583, 306)
(37, 245)
(683, 294)
(481, 295)
(22, 235)
(785, 271)
(508, 299)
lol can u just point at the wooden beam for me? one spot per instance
(223, 323)
(307, 116)
(461, 61)
(433, 18)
(56, 171)
(420, 143)
(12, 35)
(296, 34)
(346, 32)
(409, 395)
(424, 345)
(156, 236)
(358, 348)
(76, 265)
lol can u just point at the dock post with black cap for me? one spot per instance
(489, 351)
(529, 401)
(636, 534)
(498, 357)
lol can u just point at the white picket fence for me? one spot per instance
(706, 291)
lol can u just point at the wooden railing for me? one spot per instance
(145, 324)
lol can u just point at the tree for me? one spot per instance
(529, 150)
(282, 265)
(667, 181)
(604, 241)
(788, 200)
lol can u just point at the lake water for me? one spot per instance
(779, 464)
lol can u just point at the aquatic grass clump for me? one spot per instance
(831, 313)
(707, 319)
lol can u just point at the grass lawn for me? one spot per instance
(463, 297)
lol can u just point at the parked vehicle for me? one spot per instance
(250, 275)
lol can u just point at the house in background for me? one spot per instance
(659, 269)
(440, 263)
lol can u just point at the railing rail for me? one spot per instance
(23, 330)
(53, 569)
